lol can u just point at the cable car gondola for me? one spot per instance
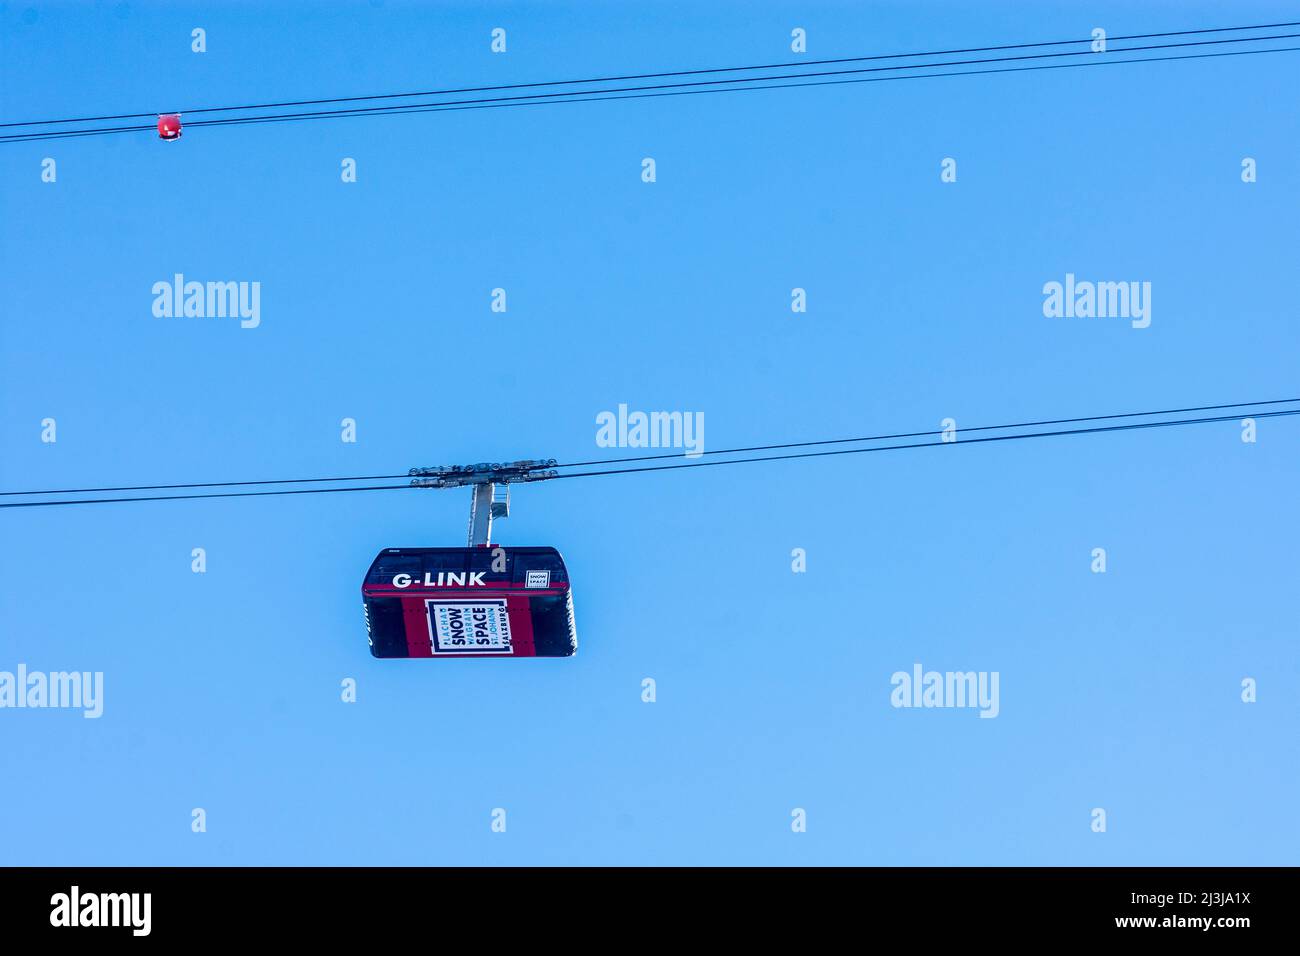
(482, 600)
(450, 602)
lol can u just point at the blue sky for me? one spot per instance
(1118, 690)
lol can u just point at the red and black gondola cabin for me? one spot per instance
(469, 602)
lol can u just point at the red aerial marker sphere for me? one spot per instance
(169, 126)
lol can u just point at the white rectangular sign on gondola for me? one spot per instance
(469, 627)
